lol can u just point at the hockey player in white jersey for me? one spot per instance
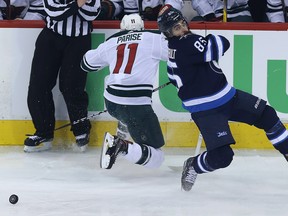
(133, 57)
(211, 10)
(35, 11)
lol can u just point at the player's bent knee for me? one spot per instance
(268, 119)
(220, 157)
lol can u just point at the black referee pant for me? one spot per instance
(58, 55)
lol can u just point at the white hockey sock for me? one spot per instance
(134, 153)
(145, 155)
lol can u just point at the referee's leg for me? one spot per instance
(72, 82)
(44, 71)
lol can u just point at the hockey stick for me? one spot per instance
(80, 120)
(161, 86)
(224, 10)
(198, 145)
(99, 113)
(197, 152)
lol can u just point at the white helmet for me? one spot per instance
(132, 22)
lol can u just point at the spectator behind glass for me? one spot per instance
(275, 11)
(1, 17)
(116, 9)
(258, 9)
(285, 9)
(35, 11)
(13, 9)
(111, 10)
(210, 10)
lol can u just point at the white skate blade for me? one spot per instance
(107, 143)
(176, 168)
(41, 147)
(105, 161)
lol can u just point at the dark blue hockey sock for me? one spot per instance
(278, 136)
(200, 164)
(209, 161)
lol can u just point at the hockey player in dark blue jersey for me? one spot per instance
(211, 100)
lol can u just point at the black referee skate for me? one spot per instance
(37, 143)
(189, 175)
(111, 148)
(82, 141)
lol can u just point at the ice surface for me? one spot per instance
(66, 183)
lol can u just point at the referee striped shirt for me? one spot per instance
(66, 18)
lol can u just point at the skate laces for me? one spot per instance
(189, 172)
(118, 147)
(82, 136)
(34, 137)
(190, 175)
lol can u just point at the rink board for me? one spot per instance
(176, 134)
(248, 65)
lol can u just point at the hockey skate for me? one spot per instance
(82, 141)
(189, 175)
(112, 146)
(37, 144)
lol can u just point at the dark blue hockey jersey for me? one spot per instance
(193, 69)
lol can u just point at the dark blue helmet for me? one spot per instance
(167, 18)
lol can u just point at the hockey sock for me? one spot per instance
(278, 136)
(209, 161)
(145, 155)
(201, 165)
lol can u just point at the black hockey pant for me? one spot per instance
(58, 55)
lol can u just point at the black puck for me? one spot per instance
(13, 199)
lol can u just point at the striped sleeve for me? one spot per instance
(90, 10)
(216, 47)
(60, 11)
(207, 49)
(70, 20)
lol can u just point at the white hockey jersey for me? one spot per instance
(207, 7)
(275, 10)
(35, 11)
(234, 7)
(132, 6)
(18, 9)
(133, 58)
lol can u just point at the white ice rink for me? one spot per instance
(65, 183)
